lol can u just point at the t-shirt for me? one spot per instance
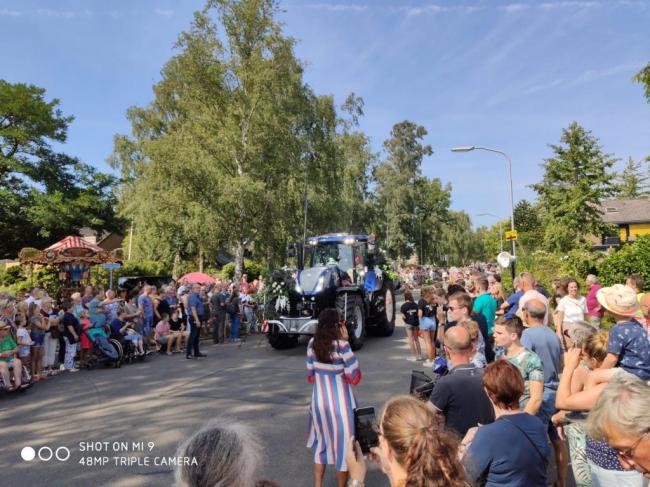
(23, 333)
(218, 302)
(70, 320)
(116, 325)
(428, 310)
(163, 307)
(507, 456)
(461, 398)
(513, 301)
(530, 366)
(574, 309)
(628, 340)
(175, 325)
(5, 345)
(195, 301)
(410, 312)
(96, 314)
(593, 307)
(534, 294)
(486, 305)
(546, 344)
(162, 328)
(146, 304)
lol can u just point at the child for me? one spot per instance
(164, 336)
(24, 341)
(38, 327)
(86, 345)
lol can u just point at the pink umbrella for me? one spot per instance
(196, 277)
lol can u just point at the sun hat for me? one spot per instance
(4, 324)
(618, 299)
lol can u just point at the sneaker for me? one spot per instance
(73, 370)
(412, 359)
(61, 367)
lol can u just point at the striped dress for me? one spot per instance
(331, 414)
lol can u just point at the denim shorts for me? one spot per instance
(427, 324)
(38, 339)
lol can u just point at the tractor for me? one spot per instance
(336, 271)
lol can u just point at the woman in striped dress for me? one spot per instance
(333, 369)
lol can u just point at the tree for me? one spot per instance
(529, 225)
(44, 195)
(459, 244)
(397, 178)
(576, 179)
(643, 77)
(633, 181)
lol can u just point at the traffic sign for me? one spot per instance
(112, 266)
(511, 235)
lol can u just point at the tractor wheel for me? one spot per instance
(383, 311)
(350, 307)
(282, 341)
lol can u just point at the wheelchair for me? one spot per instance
(25, 383)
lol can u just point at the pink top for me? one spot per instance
(593, 307)
(162, 328)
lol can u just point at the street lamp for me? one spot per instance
(470, 148)
(500, 227)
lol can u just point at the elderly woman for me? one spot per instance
(621, 418)
(221, 454)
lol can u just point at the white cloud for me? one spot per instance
(515, 7)
(562, 5)
(595, 74)
(9, 13)
(164, 12)
(65, 14)
(337, 7)
(543, 86)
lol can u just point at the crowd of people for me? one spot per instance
(524, 371)
(41, 337)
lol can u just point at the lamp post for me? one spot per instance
(500, 227)
(470, 148)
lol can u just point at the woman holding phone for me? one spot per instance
(414, 448)
(333, 369)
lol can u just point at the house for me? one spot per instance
(106, 240)
(631, 216)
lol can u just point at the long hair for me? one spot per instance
(327, 331)
(421, 445)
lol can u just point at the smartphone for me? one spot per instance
(364, 426)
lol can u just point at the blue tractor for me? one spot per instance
(336, 271)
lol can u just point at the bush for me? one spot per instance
(253, 269)
(631, 258)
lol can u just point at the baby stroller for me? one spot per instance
(25, 382)
(107, 350)
(422, 385)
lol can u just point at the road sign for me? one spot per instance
(112, 266)
(511, 235)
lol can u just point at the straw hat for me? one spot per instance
(75, 296)
(618, 299)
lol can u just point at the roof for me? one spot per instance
(636, 210)
(73, 242)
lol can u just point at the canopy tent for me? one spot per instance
(197, 278)
(73, 242)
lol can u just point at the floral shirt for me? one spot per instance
(629, 341)
(530, 366)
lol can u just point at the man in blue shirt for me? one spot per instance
(196, 310)
(145, 306)
(511, 306)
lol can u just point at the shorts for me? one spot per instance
(132, 337)
(38, 339)
(147, 325)
(427, 324)
(411, 327)
(86, 344)
(163, 340)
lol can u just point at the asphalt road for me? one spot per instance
(158, 403)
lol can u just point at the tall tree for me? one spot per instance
(576, 179)
(633, 181)
(43, 193)
(396, 178)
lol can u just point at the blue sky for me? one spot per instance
(502, 74)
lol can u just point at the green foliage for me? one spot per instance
(643, 77)
(47, 195)
(253, 269)
(633, 181)
(632, 258)
(101, 277)
(576, 179)
(458, 245)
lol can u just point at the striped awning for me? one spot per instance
(73, 242)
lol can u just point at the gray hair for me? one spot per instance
(581, 331)
(592, 278)
(228, 455)
(536, 309)
(624, 405)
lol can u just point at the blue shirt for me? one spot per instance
(546, 344)
(513, 301)
(628, 340)
(145, 302)
(509, 458)
(195, 301)
(487, 306)
(96, 314)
